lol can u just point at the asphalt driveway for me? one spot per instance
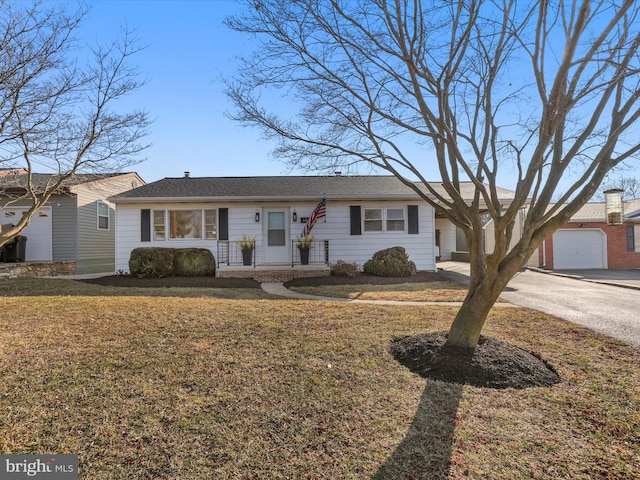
(628, 278)
(609, 309)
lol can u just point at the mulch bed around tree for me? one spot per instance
(492, 364)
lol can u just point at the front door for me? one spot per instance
(277, 248)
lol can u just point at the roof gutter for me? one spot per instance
(236, 199)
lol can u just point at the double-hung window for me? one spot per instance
(372, 219)
(159, 231)
(395, 219)
(103, 215)
(384, 220)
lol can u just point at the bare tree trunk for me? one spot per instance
(465, 329)
(488, 279)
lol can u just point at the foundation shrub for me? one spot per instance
(391, 262)
(345, 269)
(151, 262)
(194, 262)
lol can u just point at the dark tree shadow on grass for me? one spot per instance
(425, 451)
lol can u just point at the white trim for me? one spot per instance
(384, 220)
(99, 203)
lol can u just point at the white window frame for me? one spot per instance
(99, 215)
(156, 234)
(161, 232)
(403, 219)
(383, 220)
(367, 222)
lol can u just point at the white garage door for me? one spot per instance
(38, 233)
(579, 248)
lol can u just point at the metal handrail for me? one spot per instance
(318, 253)
(230, 253)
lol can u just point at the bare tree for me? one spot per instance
(630, 187)
(547, 89)
(57, 104)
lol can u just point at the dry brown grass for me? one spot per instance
(202, 388)
(412, 292)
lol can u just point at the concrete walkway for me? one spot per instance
(279, 289)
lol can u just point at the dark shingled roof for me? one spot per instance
(278, 188)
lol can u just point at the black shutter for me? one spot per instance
(631, 240)
(223, 224)
(145, 225)
(412, 213)
(356, 220)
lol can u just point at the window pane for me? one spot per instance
(395, 225)
(373, 225)
(395, 213)
(372, 219)
(185, 224)
(103, 209)
(158, 225)
(275, 229)
(276, 220)
(210, 224)
(103, 216)
(373, 214)
(395, 220)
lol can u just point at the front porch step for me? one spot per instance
(266, 274)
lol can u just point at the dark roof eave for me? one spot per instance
(236, 199)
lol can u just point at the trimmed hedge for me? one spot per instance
(194, 262)
(169, 262)
(391, 262)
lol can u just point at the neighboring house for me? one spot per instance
(364, 214)
(75, 225)
(586, 241)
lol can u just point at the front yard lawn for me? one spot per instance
(413, 292)
(167, 387)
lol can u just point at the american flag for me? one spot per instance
(319, 212)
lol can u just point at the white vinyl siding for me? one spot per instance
(335, 228)
(447, 238)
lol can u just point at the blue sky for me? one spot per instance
(187, 50)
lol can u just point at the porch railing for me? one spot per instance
(318, 253)
(230, 253)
